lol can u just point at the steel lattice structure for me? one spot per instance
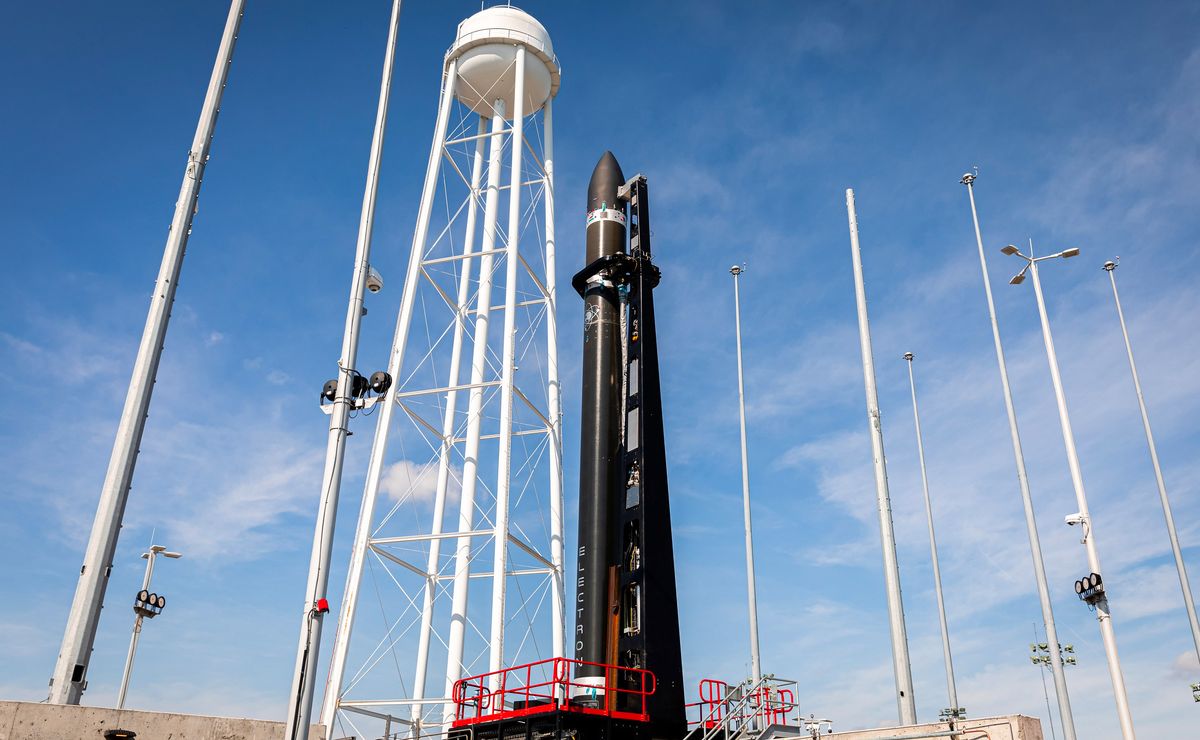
(472, 424)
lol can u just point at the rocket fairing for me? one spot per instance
(599, 449)
(626, 610)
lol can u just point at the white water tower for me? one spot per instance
(457, 563)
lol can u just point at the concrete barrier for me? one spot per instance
(22, 720)
(1010, 727)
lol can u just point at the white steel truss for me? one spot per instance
(471, 423)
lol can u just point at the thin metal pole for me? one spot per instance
(375, 465)
(554, 398)
(1102, 612)
(312, 618)
(1184, 584)
(70, 671)
(1035, 545)
(137, 631)
(507, 372)
(751, 589)
(901, 665)
(1045, 692)
(951, 690)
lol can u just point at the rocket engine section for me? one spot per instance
(626, 610)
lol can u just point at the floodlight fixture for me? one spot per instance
(1010, 250)
(1072, 252)
(1019, 277)
(1090, 589)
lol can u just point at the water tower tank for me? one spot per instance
(486, 50)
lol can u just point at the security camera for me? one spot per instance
(374, 280)
(1073, 519)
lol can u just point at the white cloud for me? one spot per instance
(1186, 665)
(406, 479)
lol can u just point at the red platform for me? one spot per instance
(547, 686)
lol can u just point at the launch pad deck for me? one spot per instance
(553, 723)
(543, 700)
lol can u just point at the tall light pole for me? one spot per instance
(316, 604)
(954, 711)
(146, 605)
(1039, 655)
(1083, 517)
(1035, 544)
(751, 593)
(70, 671)
(901, 666)
(1184, 584)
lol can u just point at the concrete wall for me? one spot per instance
(20, 720)
(1011, 727)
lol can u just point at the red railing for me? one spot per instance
(546, 686)
(778, 705)
(718, 704)
(712, 702)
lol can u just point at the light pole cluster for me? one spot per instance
(1035, 546)
(1098, 599)
(1090, 588)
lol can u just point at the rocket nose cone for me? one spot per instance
(606, 178)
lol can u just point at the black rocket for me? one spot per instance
(600, 441)
(626, 610)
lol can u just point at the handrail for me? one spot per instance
(733, 713)
(475, 701)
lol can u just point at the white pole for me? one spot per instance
(137, 631)
(504, 464)
(446, 447)
(901, 665)
(951, 690)
(1184, 584)
(312, 619)
(554, 398)
(1035, 545)
(751, 589)
(358, 553)
(470, 478)
(70, 671)
(1102, 612)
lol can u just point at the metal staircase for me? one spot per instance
(761, 710)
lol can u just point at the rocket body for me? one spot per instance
(600, 470)
(626, 611)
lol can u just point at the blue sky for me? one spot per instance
(750, 121)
